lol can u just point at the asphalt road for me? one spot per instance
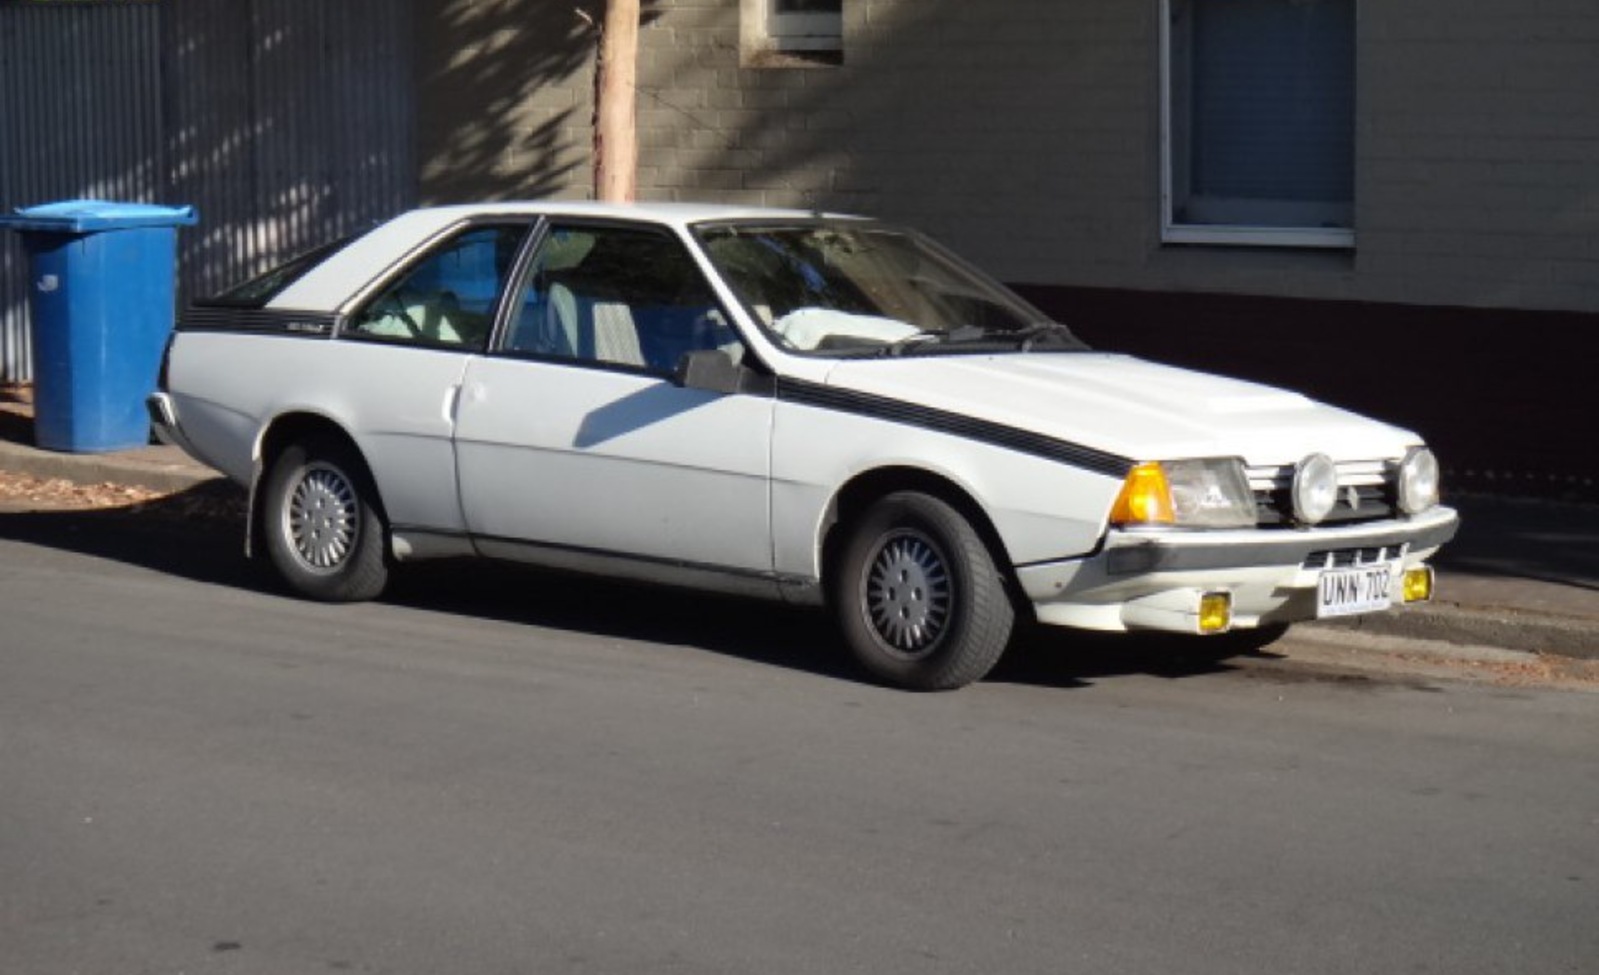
(509, 772)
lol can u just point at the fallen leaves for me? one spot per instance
(218, 500)
(61, 493)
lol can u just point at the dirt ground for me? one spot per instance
(57, 493)
(219, 503)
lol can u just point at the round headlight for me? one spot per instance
(1315, 488)
(1418, 481)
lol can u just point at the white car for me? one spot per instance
(814, 408)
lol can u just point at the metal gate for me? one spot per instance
(285, 122)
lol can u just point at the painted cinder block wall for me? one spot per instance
(1026, 134)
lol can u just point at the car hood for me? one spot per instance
(1123, 405)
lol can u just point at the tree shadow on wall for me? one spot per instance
(494, 97)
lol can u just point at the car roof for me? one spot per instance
(327, 286)
(673, 213)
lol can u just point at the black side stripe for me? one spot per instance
(984, 431)
(214, 318)
(616, 555)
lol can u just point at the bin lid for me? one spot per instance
(86, 216)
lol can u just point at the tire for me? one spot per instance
(917, 595)
(324, 531)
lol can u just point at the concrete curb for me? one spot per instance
(153, 473)
(1507, 629)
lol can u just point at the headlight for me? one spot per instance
(1209, 493)
(1418, 481)
(1315, 488)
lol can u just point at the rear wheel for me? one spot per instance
(320, 517)
(918, 597)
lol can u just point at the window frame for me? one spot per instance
(1172, 232)
(804, 31)
(811, 38)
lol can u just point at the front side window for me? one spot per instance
(1258, 102)
(621, 296)
(448, 297)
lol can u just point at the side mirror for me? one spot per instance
(708, 369)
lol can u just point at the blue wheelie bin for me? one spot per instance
(101, 279)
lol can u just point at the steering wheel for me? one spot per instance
(390, 304)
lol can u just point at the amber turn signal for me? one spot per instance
(1145, 498)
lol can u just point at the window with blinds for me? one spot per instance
(791, 33)
(1258, 106)
(806, 25)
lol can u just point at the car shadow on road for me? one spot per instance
(1051, 656)
(795, 638)
(198, 535)
(195, 534)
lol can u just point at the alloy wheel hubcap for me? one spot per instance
(908, 593)
(321, 518)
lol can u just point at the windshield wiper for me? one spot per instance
(899, 347)
(1045, 333)
(922, 340)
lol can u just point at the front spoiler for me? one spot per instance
(1154, 579)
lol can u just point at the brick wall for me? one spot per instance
(1027, 135)
(1479, 153)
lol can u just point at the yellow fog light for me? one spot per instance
(1418, 584)
(1215, 612)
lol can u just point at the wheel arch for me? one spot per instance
(288, 428)
(863, 490)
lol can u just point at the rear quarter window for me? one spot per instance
(261, 289)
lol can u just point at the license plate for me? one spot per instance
(1348, 592)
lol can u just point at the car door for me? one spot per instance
(400, 360)
(573, 444)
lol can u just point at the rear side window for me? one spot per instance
(448, 297)
(261, 289)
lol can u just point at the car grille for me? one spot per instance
(1366, 492)
(1349, 558)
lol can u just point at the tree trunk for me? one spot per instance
(615, 115)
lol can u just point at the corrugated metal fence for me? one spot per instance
(286, 122)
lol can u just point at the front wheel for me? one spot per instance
(323, 530)
(918, 596)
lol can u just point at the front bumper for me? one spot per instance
(1153, 579)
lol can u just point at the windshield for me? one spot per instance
(861, 288)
